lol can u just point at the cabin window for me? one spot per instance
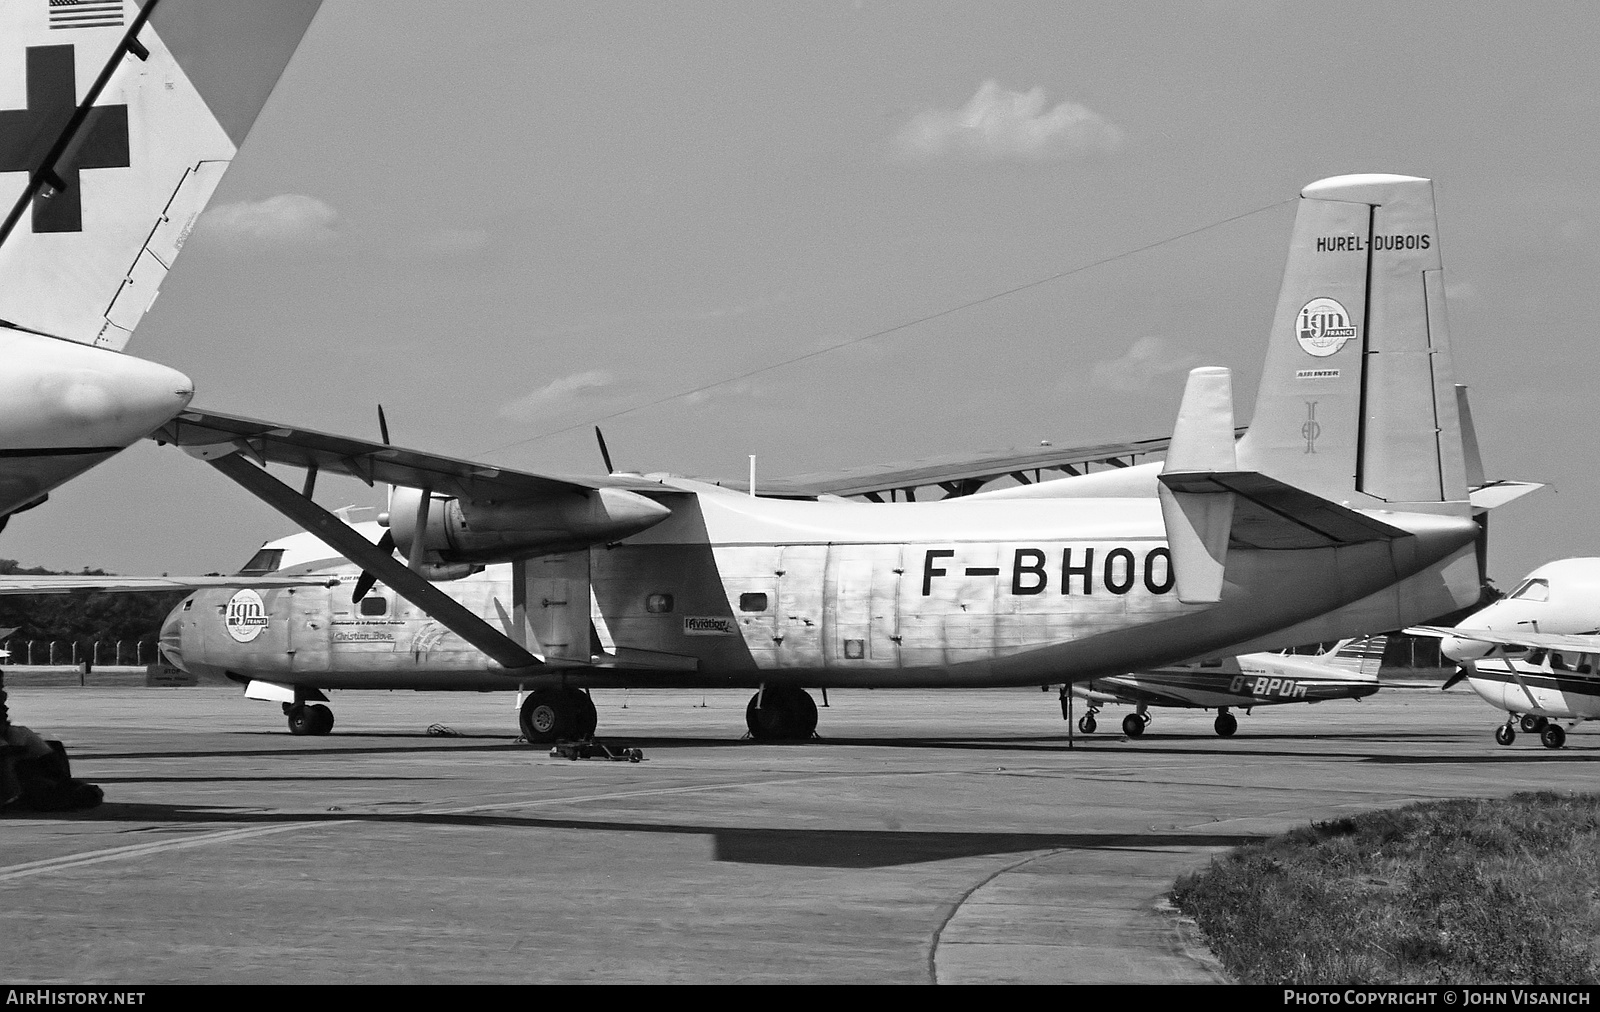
(855, 650)
(658, 604)
(1211, 664)
(268, 560)
(1532, 590)
(188, 604)
(1536, 658)
(1558, 663)
(752, 602)
(374, 605)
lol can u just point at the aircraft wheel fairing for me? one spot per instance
(1505, 734)
(1133, 725)
(1553, 736)
(1087, 724)
(1226, 724)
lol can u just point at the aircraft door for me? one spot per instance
(863, 615)
(308, 633)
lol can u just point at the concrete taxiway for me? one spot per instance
(929, 837)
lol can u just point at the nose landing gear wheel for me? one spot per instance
(1226, 724)
(1133, 725)
(1086, 723)
(1553, 736)
(1505, 734)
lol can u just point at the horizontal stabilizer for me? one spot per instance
(1495, 494)
(1269, 514)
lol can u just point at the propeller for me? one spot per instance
(1461, 672)
(605, 454)
(385, 543)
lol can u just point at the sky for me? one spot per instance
(507, 222)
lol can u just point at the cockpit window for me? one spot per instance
(1532, 590)
(265, 561)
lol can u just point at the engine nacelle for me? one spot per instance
(457, 531)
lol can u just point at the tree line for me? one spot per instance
(83, 618)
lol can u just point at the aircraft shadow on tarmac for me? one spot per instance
(814, 848)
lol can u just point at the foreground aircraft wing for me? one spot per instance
(1577, 643)
(207, 433)
(21, 584)
(957, 474)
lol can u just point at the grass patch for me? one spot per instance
(1503, 891)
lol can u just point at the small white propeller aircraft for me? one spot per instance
(1348, 671)
(117, 120)
(1343, 509)
(1536, 652)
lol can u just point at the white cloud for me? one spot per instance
(1148, 358)
(287, 219)
(556, 393)
(1001, 125)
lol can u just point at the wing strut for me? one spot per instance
(414, 588)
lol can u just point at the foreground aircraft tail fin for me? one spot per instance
(1357, 402)
(117, 121)
(1363, 656)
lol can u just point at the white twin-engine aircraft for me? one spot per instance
(117, 121)
(1536, 652)
(1344, 509)
(1348, 671)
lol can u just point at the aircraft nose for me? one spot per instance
(171, 642)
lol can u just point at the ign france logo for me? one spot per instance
(1323, 327)
(246, 616)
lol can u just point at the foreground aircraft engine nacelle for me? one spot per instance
(455, 530)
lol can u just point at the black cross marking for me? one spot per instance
(27, 135)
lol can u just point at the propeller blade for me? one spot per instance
(605, 454)
(383, 426)
(385, 544)
(1461, 672)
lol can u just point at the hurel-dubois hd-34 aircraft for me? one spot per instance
(1343, 509)
(118, 119)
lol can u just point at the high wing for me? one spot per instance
(1579, 643)
(206, 434)
(25, 584)
(956, 474)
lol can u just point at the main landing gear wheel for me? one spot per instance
(549, 715)
(314, 719)
(1553, 736)
(1505, 734)
(1086, 723)
(1226, 724)
(1133, 725)
(1534, 725)
(785, 713)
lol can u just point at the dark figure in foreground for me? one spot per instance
(34, 774)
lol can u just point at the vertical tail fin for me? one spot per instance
(1357, 402)
(117, 121)
(1362, 655)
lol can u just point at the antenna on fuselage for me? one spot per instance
(752, 475)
